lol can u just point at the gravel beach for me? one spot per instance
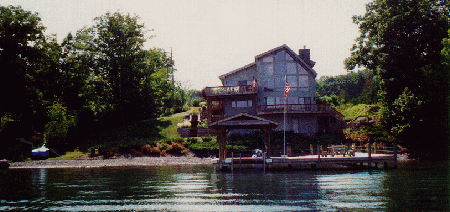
(87, 162)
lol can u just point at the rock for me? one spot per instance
(4, 164)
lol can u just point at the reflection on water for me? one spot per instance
(416, 186)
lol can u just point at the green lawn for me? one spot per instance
(70, 155)
(170, 131)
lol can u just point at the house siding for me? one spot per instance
(270, 70)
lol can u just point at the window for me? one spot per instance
(279, 82)
(269, 100)
(288, 57)
(280, 56)
(303, 83)
(231, 83)
(242, 82)
(301, 70)
(280, 69)
(291, 68)
(292, 80)
(280, 100)
(293, 101)
(268, 59)
(269, 82)
(241, 104)
(268, 69)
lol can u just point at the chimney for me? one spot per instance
(304, 54)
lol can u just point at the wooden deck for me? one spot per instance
(313, 160)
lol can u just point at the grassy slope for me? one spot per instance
(352, 111)
(170, 131)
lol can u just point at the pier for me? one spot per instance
(347, 159)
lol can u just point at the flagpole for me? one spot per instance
(284, 128)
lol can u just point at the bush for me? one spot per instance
(176, 149)
(151, 150)
(57, 128)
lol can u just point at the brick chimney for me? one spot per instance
(304, 54)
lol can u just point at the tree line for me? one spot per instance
(97, 78)
(404, 45)
(359, 87)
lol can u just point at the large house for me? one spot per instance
(258, 92)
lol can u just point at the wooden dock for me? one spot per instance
(362, 160)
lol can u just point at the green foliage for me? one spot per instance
(57, 128)
(359, 87)
(396, 44)
(202, 147)
(351, 111)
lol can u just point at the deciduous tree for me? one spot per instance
(400, 42)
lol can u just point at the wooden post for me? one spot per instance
(209, 109)
(264, 162)
(240, 158)
(318, 155)
(369, 163)
(232, 158)
(267, 140)
(375, 148)
(311, 148)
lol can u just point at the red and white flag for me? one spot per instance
(287, 88)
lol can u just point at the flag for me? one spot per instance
(287, 88)
(254, 83)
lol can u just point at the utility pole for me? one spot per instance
(173, 81)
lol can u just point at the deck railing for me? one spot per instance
(230, 90)
(299, 108)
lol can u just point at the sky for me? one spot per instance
(209, 38)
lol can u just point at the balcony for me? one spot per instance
(299, 108)
(223, 91)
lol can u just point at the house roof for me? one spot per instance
(292, 54)
(285, 47)
(243, 121)
(223, 76)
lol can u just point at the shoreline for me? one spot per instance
(123, 161)
(86, 162)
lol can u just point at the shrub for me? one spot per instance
(162, 146)
(151, 150)
(176, 149)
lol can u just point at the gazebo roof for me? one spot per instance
(244, 121)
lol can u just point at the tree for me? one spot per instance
(21, 36)
(116, 80)
(397, 46)
(29, 62)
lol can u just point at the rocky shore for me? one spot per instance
(87, 162)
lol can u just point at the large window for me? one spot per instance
(242, 82)
(269, 83)
(280, 69)
(291, 68)
(303, 83)
(241, 104)
(292, 80)
(268, 69)
(280, 56)
(269, 100)
(268, 59)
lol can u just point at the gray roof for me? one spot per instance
(243, 120)
(285, 47)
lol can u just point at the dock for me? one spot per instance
(359, 160)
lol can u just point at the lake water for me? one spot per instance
(416, 186)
